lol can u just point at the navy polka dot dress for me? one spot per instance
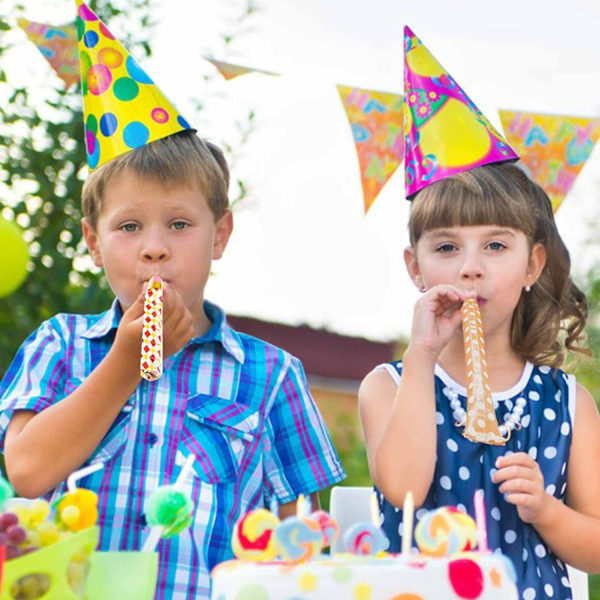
(463, 466)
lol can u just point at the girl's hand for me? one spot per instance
(522, 483)
(436, 318)
(178, 323)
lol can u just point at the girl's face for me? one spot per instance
(494, 261)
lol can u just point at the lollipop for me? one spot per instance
(78, 508)
(298, 538)
(253, 536)
(366, 538)
(169, 509)
(445, 531)
(152, 350)
(328, 525)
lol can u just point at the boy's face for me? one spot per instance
(146, 228)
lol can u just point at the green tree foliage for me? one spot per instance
(42, 161)
(43, 165)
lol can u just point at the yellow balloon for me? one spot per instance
(14, 256)
(455, 122)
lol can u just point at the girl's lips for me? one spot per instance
(481, 301)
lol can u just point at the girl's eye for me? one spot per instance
(496, 246)
(445, 248)
(129, 227)
(179, 225)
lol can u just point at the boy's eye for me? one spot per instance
(129, 227)
(179, 224)
(445, 248)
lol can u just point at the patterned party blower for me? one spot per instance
(151, 361)
(481, 423)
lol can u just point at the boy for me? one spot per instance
(73, 395)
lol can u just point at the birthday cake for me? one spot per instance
(481, 576)
(446, 567)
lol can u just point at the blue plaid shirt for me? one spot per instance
(238, 404)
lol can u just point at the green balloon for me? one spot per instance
(14, 256)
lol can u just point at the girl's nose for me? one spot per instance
(471, 268)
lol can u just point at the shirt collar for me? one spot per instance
(105, 323)
(219, 331)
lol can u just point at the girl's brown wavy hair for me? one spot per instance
(550, 319)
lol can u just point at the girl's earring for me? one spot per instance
(527, 288)
(422, 289)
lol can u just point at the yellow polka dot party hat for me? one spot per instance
(444, 132)
(123, 109)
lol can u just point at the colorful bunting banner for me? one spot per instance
(377, 127)
(553, 148)
(229, 70)
(58, 45)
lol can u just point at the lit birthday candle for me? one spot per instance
(480, 521)
(408, 511)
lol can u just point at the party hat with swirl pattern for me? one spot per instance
(444, 132)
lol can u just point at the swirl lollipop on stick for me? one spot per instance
(151, 360)
(253, 536)
(298, 538)
(366, 538)
(445, 531)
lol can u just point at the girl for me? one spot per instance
(490, 233)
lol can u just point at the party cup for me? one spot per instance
(55, 572)
(122, 576)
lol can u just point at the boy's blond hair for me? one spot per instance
(179, 159)
(551, 317)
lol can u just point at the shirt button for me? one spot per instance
(142, 520)
(152, 439)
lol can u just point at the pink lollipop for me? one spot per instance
(365, 539)
(328, 525)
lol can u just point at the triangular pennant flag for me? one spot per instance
(445, 132)
(230, 70)
(378, 132)
(553, 148)
(123, 109)
(58, 45)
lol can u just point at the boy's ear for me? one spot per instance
(91, 241)
(223, 229)
(412, 266)
(537, 262)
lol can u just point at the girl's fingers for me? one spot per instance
(525, 486)
(519, 499)
(512, 472)
(518, 458)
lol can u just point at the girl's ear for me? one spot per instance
(412, 266)
(537, 262)
(91, 241)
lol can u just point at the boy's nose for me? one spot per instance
(154, 249)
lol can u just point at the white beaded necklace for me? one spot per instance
(512, 419)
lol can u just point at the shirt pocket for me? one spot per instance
(218, 434)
